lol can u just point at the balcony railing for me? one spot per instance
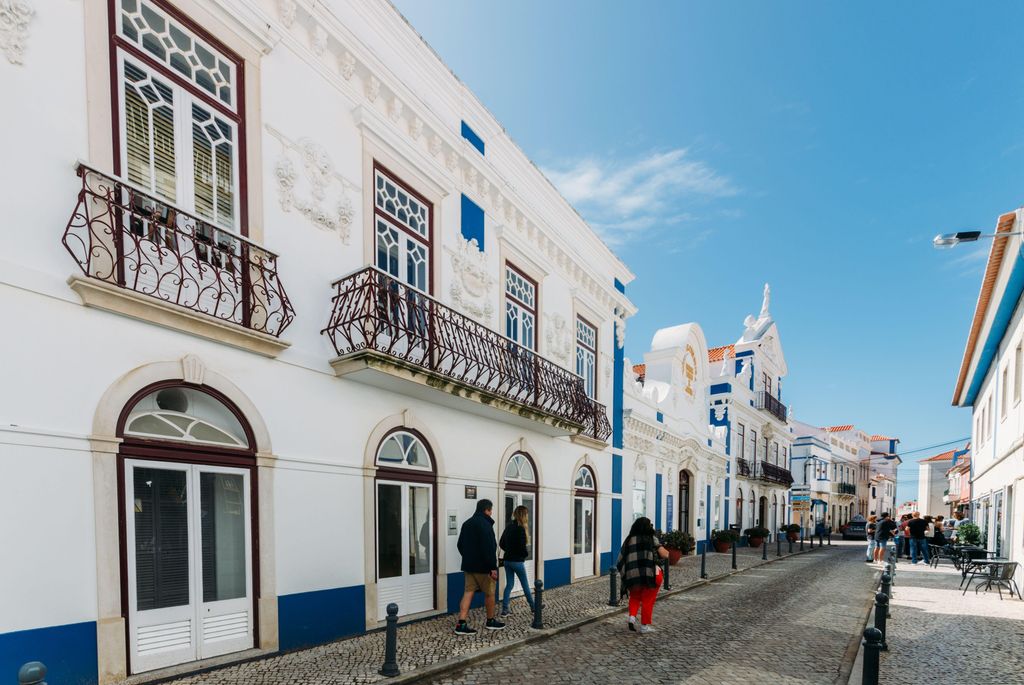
(774, 474)
(767, 401)
(743, 468)
(374, 311)
(126, 237)
(844, 488)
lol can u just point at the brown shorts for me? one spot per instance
(480, 582)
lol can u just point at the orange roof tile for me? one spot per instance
(717, 354)
(945, 456)
(640, 371)
(880, 437)
(838, 429)
(995, 260)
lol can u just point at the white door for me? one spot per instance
(528, 500)
(405, 547)
(583, 537)
(189, 571)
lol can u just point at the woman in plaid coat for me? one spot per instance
(640, 572)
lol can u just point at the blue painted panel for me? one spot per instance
(657, 501)
(616, 523)
(725, 520)
(620, 286)
(707, 519)
(474, 140)
(669, 513)
(312, 618)
(457, 588)
(1003, 314)
(606, 562)
(618, 388)
(556, 572)
(617, 474)
(751, 378)
(660, 417)
(719, 388)
(69, 652)
(472, 222)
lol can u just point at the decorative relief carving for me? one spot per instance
(620, 327)
(15, 16)
(319, 40)
(286, 11)
(416, 128)
(307, 182)
(558, 335)
(347, 65)
(435, 146)
(193, 370)
(395, 109)
(472, 281)
(372, 89)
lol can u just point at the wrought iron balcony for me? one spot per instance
(844, 488)
(767, 401)
(743, 468)
(771, 473)
(378, 321)
(128, 238)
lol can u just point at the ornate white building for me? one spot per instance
(283, 302)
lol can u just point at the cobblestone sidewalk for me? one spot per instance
(427, 642)
(936, 633)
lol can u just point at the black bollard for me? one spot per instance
(801, 538)
(830, 536)
(790, 544)
(778, 545)
(810, 540)
(764, 551)
(872, 646)
(666, 584)
(538, 604)
(613, 592)
(887, 584)
(703, 561)
(390, 667)
(32, 673)
(820, 543)
(733, 555)
(882, 613)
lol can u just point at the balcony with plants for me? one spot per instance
(388, 334)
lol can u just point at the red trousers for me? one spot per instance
(642, 599)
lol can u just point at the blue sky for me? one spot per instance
(818, 146)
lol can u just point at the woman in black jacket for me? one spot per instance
(515, 543)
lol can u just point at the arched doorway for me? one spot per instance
(753, 511)
(739, 508)
(405, 531)
(762, 511)
(684, 501)
(776, 523)
(584, 521)
(186, 488)
(521, 491)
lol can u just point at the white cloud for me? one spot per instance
(624, 200)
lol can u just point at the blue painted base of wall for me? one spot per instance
(556, 572)
(606, 562)
(456, 588)
(69, 652)
(312, 618)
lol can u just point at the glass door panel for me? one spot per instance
(583, 537)
(389, 530)
(405, 539)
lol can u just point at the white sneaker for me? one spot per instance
(632, 623)
(647, 629)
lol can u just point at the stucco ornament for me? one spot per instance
(372, 88)
(766, 301)
(347, 64)
(319, 40)
(286, 11)
(307, 182)
(620, 327)
(558, 336)
(416, 128)
(395, 109)
(15, 16)
(472, 282)
(193, 370)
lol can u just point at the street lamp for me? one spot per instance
(944, 241)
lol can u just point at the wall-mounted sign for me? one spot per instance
(453, 522)
(470, 492)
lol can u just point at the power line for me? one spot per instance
(931, 447)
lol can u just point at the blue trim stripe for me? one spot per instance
(620, 287)
(657, 501)
(617, 474)
(616, 523)
(312, 618)
(473, 222)
(556, 572)
(471, 136)
(1000, 322)
(719, 388)
(69, 652)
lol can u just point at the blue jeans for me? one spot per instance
(871, 549)
(918, 547)
(513, 570)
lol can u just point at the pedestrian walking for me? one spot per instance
(640, 571)
(479, 552)
(515, 544)
(884, 531)
(870, 532)
(902, 540)
(918, 530)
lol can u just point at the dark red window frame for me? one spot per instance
(401, 225)
(587, 347)
(536, 300)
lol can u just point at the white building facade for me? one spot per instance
(301, 306)
(990, 383)
(820, 462)
(675, 462)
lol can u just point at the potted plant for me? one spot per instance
(723, 539)
(756, 535)
(678, 544)
(969, 534)
(792, 531)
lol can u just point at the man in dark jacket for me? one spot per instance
(884, 531)
(479, 551)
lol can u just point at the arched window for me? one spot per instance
(753, 511)
(403, 450)
(520, 470)
(739, 507)
(584, 479)
(183, 414)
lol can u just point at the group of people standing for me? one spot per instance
(912, 535)
(639, 567)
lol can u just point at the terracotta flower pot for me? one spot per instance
(674, 555)
(754, 541)
(791, 537)
(722, 546)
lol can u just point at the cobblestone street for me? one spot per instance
(788, 622)
(431, 641)
(975, 637)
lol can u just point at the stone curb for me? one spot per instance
(546, 633)
(854, 658)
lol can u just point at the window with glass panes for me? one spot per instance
(520, 308)
(741, 446)
(586, 355)
(180, 116)
(403, 226)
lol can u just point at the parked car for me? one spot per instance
(856, 529)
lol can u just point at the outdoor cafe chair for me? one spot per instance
(1000, 574)
(939, 552)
